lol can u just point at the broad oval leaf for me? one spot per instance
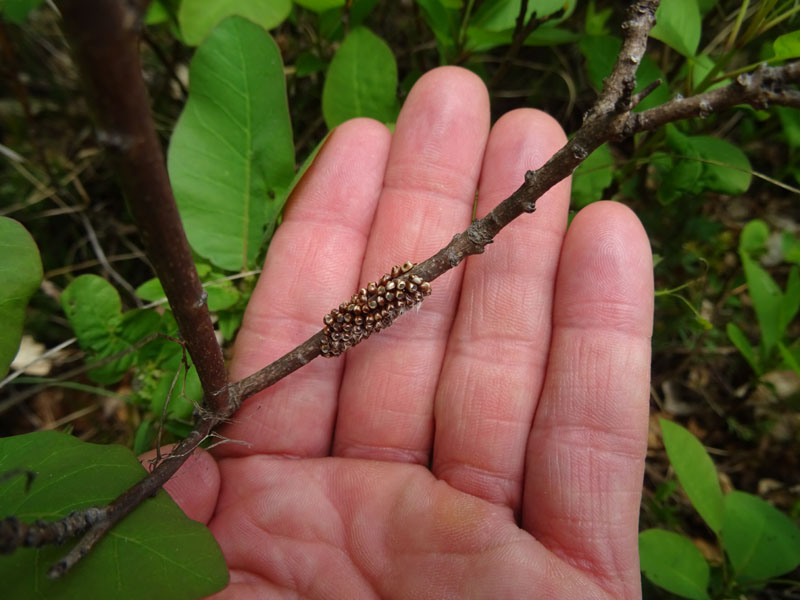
(21, 274)
(178, 557)
(231, 157)
(361, 80)
(760, 540)
(726, 168)
(672, 562)
(198, 17)
(93, 308)
(695, 471)
(787, 46)
(753, 237)
(678, 25)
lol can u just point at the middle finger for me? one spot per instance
(386, 397)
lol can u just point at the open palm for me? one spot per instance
(490, 445)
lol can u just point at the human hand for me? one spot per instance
(491, 445)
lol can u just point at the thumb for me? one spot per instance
(195, 485)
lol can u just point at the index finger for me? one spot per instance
(313, 262)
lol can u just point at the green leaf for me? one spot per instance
(229, 322)
(186, 390)
(144, 437)
(698, 68)
(231, 156)
(151, 290)
(787, 46)
(501, 15)
(674, 563)
(706, 6)
(788, 358)
(764, 292)
(444, 23)
(198, 17)
(21, 274)
(742, 344)
(179, 556)
(760, 541)
(753, 237)
(790, 247)
(307, 64)
(790, 124)
(156, 14)
(221, 295)
(695, 471)
(601, 53)
(93, 308)
(790, 300)
(361, 80)
(677, 175)
(678, 25)
(647, 73)
(359, 10)
(596, 22)
(726, 170)
(309, 160)
(592, 177)
(320, 5)
(17, 11)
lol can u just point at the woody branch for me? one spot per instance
(138, 157)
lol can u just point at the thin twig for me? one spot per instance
(72, 373)
(103, 260)
(522, 32)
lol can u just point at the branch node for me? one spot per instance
(478, 236)
(648, 89)
(705, 109)
(454, 257)
(114, 141)
(202, 299)
(744, 79)
(579, 152)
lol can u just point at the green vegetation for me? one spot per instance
(266, 82)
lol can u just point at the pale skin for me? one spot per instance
(489, 446)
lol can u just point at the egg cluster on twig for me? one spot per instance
(372, 309)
